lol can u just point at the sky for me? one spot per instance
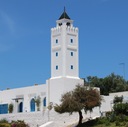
(25, 35)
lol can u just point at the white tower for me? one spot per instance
(64, 59)
(64, 48)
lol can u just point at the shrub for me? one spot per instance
(112, 117)
(10, 107)
(122, 117)
(108, 113)
(5, 125)
(123, 123)
(19, 123)
(120, 108)
(117, 123)
(3, 121)
(102, 121)
(126, 125)
(107, 123)
(126, 118)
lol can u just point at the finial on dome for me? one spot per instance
(64, 9)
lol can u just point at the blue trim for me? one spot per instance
(21, 107)
(44, 102)
(32, 105)
(3, 108)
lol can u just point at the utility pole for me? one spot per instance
(123, 64)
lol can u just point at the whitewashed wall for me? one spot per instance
(35, 119)
(27, 93)
(60, 85)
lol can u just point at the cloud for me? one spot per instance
(8, 21)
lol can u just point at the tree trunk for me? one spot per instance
(80, 118)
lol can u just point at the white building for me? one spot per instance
(22, 98)
(64, 72)
(64, 77)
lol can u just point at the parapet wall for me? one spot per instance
(36, 119)
(57, 30)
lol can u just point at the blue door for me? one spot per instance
(21, 107)
(3, 108)
(32, 105)
(44, 102)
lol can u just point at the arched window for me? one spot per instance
(32, 105)
(44, 102)
(21, 107)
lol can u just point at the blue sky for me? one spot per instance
(25, 38)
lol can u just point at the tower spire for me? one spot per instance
(64, 15)
(64, 12)
(64, 9)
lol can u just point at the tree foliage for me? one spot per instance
(121, 108)
(109, 84)
(118, 99)
(81, 97)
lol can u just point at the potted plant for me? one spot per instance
(10, 107)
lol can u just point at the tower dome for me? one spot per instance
(64, 15)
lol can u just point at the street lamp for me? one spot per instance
(123, 64)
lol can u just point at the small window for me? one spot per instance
(71, 53)
(71, 66)
(56, 41)
(71, 40)
(60, 24)
(57, 67)
(56, 53)
(68, 23)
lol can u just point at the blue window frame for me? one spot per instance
(71, 53)
(71, 66)
(56, 67)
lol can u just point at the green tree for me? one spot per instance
(81, 97)
(38, 101)
(108, 84)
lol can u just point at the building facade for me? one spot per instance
(23, 99)
(64, 72)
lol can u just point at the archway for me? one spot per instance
(21, 107)
(32, 105)
(44, 102)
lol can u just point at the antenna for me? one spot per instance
(64, 9)
(64, 12)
